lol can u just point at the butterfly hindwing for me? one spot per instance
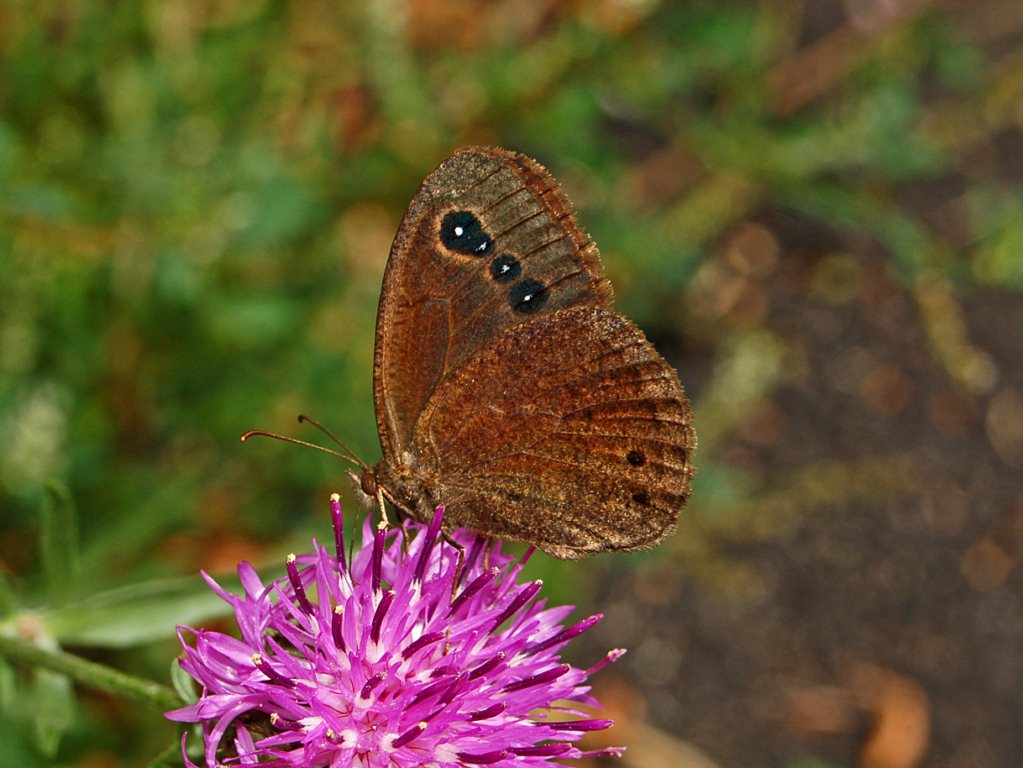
(578, 441)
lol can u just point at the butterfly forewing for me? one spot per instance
(488, 242)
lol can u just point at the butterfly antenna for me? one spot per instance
(302, 418)
(296, 441)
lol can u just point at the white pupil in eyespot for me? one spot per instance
(459, 231)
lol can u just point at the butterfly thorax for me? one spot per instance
(401, 484)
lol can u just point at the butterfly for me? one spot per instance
(506, 387)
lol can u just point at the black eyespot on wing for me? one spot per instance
(527, 296)
(641, 498)
(505, 268)
(636, 458)
(462, 232)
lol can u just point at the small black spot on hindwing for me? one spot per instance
(505, 268)
(462, 232)
(641, 498)
(636, 458)
(527, 296)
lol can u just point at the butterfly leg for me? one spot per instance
(359, 511)
(488, 547)
(380, 505)
(461, 561)
(401, 514)
(404, 536)
(400, 520)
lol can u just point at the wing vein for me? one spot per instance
(501, 199)
(603, 372)
(526, 450)
(518, 224)
(480, 181)
(628, 400)
(543, 246)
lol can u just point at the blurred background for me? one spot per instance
(813, 207)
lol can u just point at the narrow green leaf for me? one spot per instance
(182, 682)
(53, 709)
(136, 614)
(171, 756)
(8, 687)
(58, 532)
(9, 601)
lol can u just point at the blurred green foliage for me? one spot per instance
(196, 201)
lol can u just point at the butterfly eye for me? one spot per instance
(505, 268)
(527, 296)
(462, 232)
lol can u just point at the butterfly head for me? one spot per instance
(368, 482)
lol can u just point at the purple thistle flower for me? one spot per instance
(372, 663)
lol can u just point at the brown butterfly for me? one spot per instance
(506, 387)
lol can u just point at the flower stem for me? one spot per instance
(169, 758)
(89, 673)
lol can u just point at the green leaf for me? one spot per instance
(58, 533)
(8, 687)
(8, 596)
(53, 704)
(136, 614)
(183, 683)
